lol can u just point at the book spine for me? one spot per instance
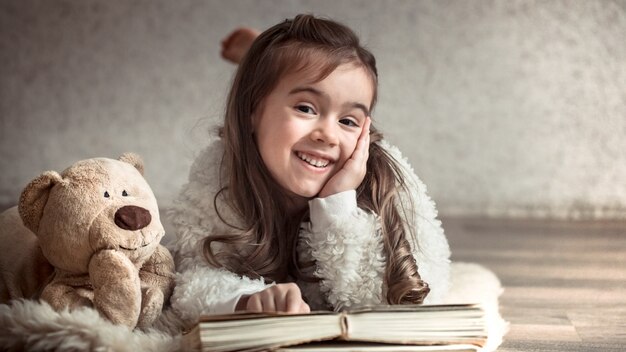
(343, 323)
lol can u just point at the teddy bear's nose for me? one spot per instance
(132, 218)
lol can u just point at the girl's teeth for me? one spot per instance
(313, 161)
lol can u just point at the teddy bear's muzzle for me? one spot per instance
(132, 218)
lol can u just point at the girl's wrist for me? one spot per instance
(327, 192)
(325, 210)
(324, 194)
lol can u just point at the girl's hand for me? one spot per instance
(278, 298)
(353, 171)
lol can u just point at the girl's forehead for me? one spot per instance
(312, 75)
(348, 82)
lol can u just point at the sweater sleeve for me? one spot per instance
(200, 287)
(346, 244)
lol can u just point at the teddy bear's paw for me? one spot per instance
(61, 296)
(80, 301)
(151, 306)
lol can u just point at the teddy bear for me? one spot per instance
(89, 236)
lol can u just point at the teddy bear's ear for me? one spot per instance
(133, 159)
(34, 198)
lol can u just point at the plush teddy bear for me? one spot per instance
(89, 236)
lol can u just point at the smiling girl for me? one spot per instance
(300, 204)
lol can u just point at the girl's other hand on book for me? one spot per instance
(278, 298)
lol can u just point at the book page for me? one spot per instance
(335, 346)
(420, 328)
(264, 332)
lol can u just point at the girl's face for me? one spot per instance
(306, 130)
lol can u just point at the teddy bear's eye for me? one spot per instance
(106, 194)
(124, 194)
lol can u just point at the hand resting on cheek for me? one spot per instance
(353, 171)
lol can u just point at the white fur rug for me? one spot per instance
(34, 326)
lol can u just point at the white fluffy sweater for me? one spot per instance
(344, 241)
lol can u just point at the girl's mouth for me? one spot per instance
(313, 160)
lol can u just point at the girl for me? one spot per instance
(300, 204)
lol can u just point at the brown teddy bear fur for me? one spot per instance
(89, 236)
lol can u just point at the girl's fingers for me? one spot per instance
(366, 147)
(277, 298)
(293, 302)
(268, 302)
(254, 304)
(353, 171)
(365, 131)
(362, 148)
(304, 308)
(366, 127)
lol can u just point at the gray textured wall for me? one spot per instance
(514, 108)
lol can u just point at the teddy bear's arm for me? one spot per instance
(116, 285)
(157, 284)
(63, 293)
(158, 271)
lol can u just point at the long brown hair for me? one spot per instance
(265, 246)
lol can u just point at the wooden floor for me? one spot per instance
(564, 281)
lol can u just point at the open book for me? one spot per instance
(459, 327)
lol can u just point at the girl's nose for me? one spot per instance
(326, 131)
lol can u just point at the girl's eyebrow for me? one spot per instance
(318, 92)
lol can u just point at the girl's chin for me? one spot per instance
(306, 190)
(310, 193)
(306, 196)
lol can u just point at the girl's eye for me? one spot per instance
(305, 109)
(348, 122)
(124, 194)
(106, 194)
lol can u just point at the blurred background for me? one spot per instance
(504, 108)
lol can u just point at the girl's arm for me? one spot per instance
(201, 288)
(347, 247)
